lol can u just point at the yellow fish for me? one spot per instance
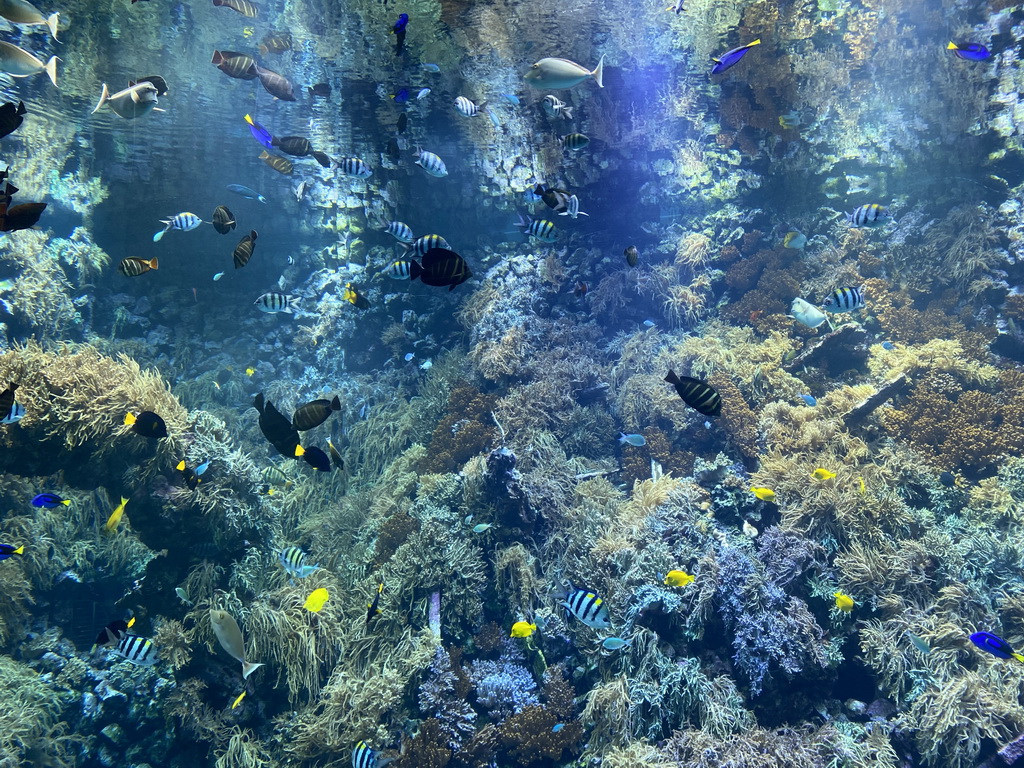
(250, 371)
(843, 602)
(764, 494)
(523, 629)
(822, 474)
(115, 516)
(238, 701)
(678, 578)
(863, 487)
(316, 600)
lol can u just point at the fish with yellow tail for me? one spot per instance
(764, 494)
(371, 608)
(230, 637)
(523, 629)
(843, 602)
(115, 516)
(677, 578)
(236, 702)
(822, 474)
(6, 550)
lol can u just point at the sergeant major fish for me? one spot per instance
(293, 560)
(587, 607)
(431, 163)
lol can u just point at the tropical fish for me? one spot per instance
(248, 194)
(559, 726)
(764, 494)
(845, 299)
(634, 440)
(115, 516)
(278, 163)
(422, 93)
(23, 12)
(441, 267)
(191, 476)
(968, 51)
(294, 561)
(147, 424)
(20, 217)
(261, 134)
(11, 117)
(49, 501)
(354, 167)
(272, 302)
(822, 474)
(493, 116)
(511, 98)
(554, 198)
(275, 476)
(574, 141)
(809, 400)
(843, 602)
(995, 645)
(581, 289)
(6, 550)
(421, 245)
(237, 65)
(697, 394)
(401, 231)
(867, 215)
(223, 219)
(17, 62)
(320, 90)
(431, 163)
(731, 58)
(230, 637)
(137, 650)
(587, 607)
(336, 458)
(919, 642)
(244, 250)
(432, 68)
(399, 270)
(111, 634)
(276, 43)
(481, 527)
(559, 74)
(184, 222)
(554, 107)
(371, 608)
(790, 121)
(401, 96)
(182, 595)
(363, 756)
(15, 414)
(277, 429)
(296, 146)
(947, 479)
(523, 629)
(400, 24)
(614, 643)
(888, 345)
(794, 240)
(466, 107)
(572, 208)
(134, 101)
(542, 229)
(244, 7)
(238, 700)
(806, 313)
(632, 256)
(133, 267)
(354, 297)
(678, 578)
(314, 413)
(278, 86)
(218, 276)
(316, 600)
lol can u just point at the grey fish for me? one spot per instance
(132, 102)
(23, 12)
(560, 74)
(230, 637)
(18, 62)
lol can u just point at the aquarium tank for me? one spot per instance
(511, 384)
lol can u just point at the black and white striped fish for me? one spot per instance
(184, 221)
(364, 756)
(431, 163)
(138, 650)
(401, 231)
(868, 215)
(587, 607)
(555, 106)
(466, 107)
(574, 141)
(572, 208)
(423, 244)
(399, 270)
(354, 167)
(846, 299)
(294, 561)
(16, 414)
(542, 229)
(273, 301)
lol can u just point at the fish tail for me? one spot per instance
(218, 58)
(248, 118)
(129, 419)
(1017, 656)
(52, 24)
(335, 404)
(51, 70)
(153, 263)
(756, 42)
(567, 112)
(21, 551)
(299, 451)
(415, 270)
(248, 667)
(66, 503)
(671, 377)
(104, 95)
(952, 46)
(598, 72)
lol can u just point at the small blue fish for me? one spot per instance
(481, 527)
(511, 98)
(731, 58)
(919, 642)
(202, 468)
(432, 68)
(649, 323)
(995, 645)
(614, 643)
(637, 441)
(218, 276)
(402, 96)
(400, 24)
(495, 120)
(49, 501)
(244, 191)
(809, 400)
(261, 134)
(558, 727)
(409, 356)
(887, 345)
(969, 51)
(424, 92)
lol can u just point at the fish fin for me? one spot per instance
(335, 405)
(248, 668)
(248, 118)
(51, 69)
(154, 263)
(756, 42)
(180, 466)
(1017, 656)
(66, 502)
(598, 72)
(299, 451)
(21, 551)
(952, 46)
(415, 270)
(158, 109)
(52, 24)
(567, 112)
(104, 95)
(129, 419)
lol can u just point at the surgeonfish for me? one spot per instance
(112, 633)
(147, 424)
(843, 602)
(261, 134)
(764, 494)
(847, 299)
(133, 266)
(115, 516)
(11, 117)
(587, 607)
(967, 51)
(223, 219)
(697, 394)
(995, 645)
(372, 609)
(273, 302)
(822, 474)
(184, 222)
(440, 267)
(314, 413)
(806, 313)
(137, 650)
(7, 400)
(276, 43)
(278, 86)
(336, 458)
(277, 428)
(317, 600)
(867, 215)
(560, 74)
(523, 629)
(17, 62)
(731, 58)
(6, 550)
(23, 12)
(244, 250)
(244, 7)
(239, 66)
(676, 578)
(293, 559)
(134, 101)
(191, 476)
(49, 501)
(238, 700)
(230, 637)
(278, 163)
(431, 163)
(244, 191)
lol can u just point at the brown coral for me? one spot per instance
(466, 430)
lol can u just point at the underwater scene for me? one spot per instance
(511, 384)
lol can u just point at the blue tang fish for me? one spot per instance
(731, 58)
(261, 134)
(995, 645)
(400, 24)
(969, 51)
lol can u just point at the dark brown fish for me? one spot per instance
(278, 86)
(244, 249)
(236, 65)
(322, 158)
(244, 7)
(223, 219)
(11, 115)
(697, 394)
(8, 192)
(133, 267)
(276, 162)
(22, 216)
(320, 90)
(632, 255)
(276, 43)
(297, 146)
(7, 401)
(441, 267)
(555, 199)
(315, 413)
(158, 82)
(277, 429)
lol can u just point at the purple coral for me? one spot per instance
(504, 686)
(439, 699)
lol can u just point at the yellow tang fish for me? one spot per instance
(115, 516)
(250, 371)
(316, 600)
(862, 486)
(764, 494)
(822, 474)
(238, 701)
(678, 578)
(523, 629)
(843, 602)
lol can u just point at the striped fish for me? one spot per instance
(183, 221)
(844, 299)
(868, 215)
(401, 231)
(244, 7)
(14, 415)
(133, 267)
(697, 394)
(363, 756)
(423, 244)
(244, 249)
(223, 219)
(542, 229)
(353, 166)
(138, 650)
(431, 163)
(236, 65)
(274, 476)
(278, 163)
(588, 608)
(399, 270)
(466, 107)
(574, 141)
(294, 561)
(273, 301)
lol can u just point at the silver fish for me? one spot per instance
(136, 101)
(560, 74)
(18, 62)
(23, 12)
